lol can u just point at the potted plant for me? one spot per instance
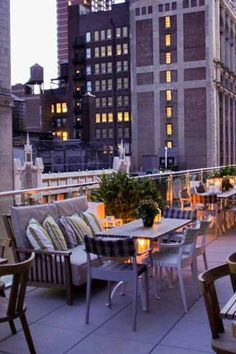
(226, 185)
(147, 210)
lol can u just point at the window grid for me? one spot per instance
(168, 57)
(168, 40)
(167, 22)
(168, 95)
(169, 129)
(168, 76)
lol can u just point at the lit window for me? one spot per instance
(104, 102)
(103, 85)
(118, 66)
(52, 108)
(109, 101)
(96, 52)
(109, 84)
(168, 76)
(109, 50)
(169, 144)
(58, 108)
(97, 69)
(119, 116)
(88, 37)
(126, 116)
(125, 31)
(168, 39)
(102, 35)
(97, 85)
(109, 67)
(96, 36)
(168, 95)
(109, 35)
(103, 68)
(118, 32)
(88, 53)
(98, 118)
(125, 48)
(169, 112)
(104, 117)
(110, 117)
(168, 58)
(64, 136)
(89, 86)
(64, 107)
(118, 49)
(103, 51)
(167, 22)
(77, 71)
(88, 69)
(97, 102)
(119, 83)
(169, 129)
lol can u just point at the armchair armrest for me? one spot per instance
(55, 252)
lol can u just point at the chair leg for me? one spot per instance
(156, 282)
(27, 334)
(195, 274)
(169, 273)
(12, 326)
(88, 296)
(109, 294)
(2, 293)
(147, 290)
(205, 260)
(135, 303)
(182, 291)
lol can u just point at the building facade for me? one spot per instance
(99, 76)
(62, 21)
(183, 66)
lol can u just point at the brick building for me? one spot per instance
(183, 67)
(99, 76)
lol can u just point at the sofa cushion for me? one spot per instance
(92, 221)
(38, 236)
(20, 217)
(55, 233)
(68, 232)
(79, 227)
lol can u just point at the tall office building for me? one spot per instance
(62, 21)
(183, 91)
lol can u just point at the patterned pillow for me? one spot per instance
(38, 236)
(68, 232)
(55, 233)
(79, 227)
(92, 221)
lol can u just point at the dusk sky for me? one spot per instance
(33, 38)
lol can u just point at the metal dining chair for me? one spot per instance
(4, 243)
(13, 307)
(114, 270)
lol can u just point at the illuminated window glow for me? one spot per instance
(104, 117)
(167, 22)
(169, 144)
(168, 58)
(168, 76)
(119, 116)
(98, 118)
(126, 116)
(169, 112)
(58, 108)
(64, 136)
(168, 95)
(168, 39)
(169, 129)
(52, 108)
(64, 107)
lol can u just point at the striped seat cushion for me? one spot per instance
(79, 227)
(110, 247)
(92, 221)
(55, 233)
(179, 213)
(38, 236)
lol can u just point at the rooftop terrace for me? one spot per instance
(59, 328)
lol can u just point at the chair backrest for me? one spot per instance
(103, 246)
(20, 273)
(231, 260)
(179, 214)
(184, 197)
(190, 239)
(4, 243)
(207, 284)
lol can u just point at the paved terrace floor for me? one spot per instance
(59, 328)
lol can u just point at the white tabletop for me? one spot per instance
(136, 229)
(227, 194)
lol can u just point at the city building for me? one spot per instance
(99, 77)
(183, 67)
(62, 21)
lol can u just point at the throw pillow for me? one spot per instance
(92, 221)
(68, 232)
(79, 227)
(38, 236)
(55, 233)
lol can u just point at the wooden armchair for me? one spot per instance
(223, 341)
(4, 243)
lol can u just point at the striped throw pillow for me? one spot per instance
(92, 221)
(55, 233)
(68, 232)
(79, 227)
(38, 236)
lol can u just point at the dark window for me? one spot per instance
(144, 10)
(137, 11)
(150, 9)
(185, 4)
(167, 7)
(201, 2)
(174, 5)
(193, 3)
(160, 8)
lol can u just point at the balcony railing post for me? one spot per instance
(187, 181)
(201, 176)
(169, 192)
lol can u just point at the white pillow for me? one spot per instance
(38, 236)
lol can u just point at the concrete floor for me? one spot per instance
(59, 328)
